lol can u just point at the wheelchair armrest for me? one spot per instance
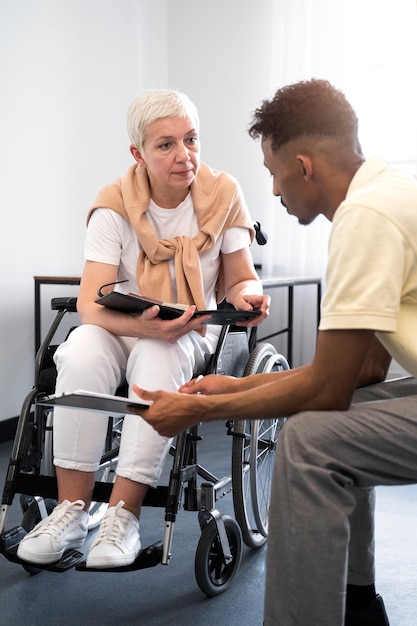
(62, 304)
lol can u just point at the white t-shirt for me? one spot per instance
(111, 239)
(372, 270)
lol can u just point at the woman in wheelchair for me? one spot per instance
(173, 229)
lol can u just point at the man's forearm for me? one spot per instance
(265, 395)
(256, 380)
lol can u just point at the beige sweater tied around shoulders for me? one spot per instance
(218, 204)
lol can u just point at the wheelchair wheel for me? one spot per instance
(253, 457)
(32, 517)
(213, 575)
(105, 472)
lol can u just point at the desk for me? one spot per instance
(268, 283)
(290, 284)
(47, 280)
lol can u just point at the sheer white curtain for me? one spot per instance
(367, 48)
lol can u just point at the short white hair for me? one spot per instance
(154, 104)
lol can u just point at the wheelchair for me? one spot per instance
(31, 473)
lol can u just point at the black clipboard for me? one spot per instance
(91, 401)
(136, 304)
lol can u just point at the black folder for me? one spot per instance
(136, 304)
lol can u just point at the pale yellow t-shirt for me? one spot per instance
(372, 271)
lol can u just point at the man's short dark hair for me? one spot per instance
(312, 108)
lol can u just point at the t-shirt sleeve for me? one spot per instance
(103, 240)
(235, 238)
(365, 272)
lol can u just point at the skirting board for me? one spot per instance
(8, 429)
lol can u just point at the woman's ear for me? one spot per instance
(136, 154)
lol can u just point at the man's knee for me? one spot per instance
(305, 435)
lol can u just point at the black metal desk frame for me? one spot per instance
(290, 284)
(268, 283)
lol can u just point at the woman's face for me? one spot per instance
(171, 155)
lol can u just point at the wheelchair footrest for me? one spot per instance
(149, 557)
(9, 543)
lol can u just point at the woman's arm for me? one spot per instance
(243, 286)
(146, 325)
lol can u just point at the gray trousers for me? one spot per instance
(321, 524)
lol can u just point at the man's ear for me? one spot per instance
(306, 166)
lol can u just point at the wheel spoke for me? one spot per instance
(253, 460)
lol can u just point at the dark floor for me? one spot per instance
(170, 595)
(165, 594)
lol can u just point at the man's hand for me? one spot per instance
(170, 413)
(210, 385)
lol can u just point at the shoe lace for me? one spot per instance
(59, 519)
(113, 526)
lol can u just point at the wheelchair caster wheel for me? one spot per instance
(212, 572)
(25, 502)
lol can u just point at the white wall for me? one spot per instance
(68, 72)
(225, 68)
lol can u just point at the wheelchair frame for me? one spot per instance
(30, 471)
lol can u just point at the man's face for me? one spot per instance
(297, 192)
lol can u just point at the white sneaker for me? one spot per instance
(64, 528)
(117, 542)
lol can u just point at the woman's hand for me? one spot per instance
(249, 302)
(152, 326)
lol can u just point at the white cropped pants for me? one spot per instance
(94, 359)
